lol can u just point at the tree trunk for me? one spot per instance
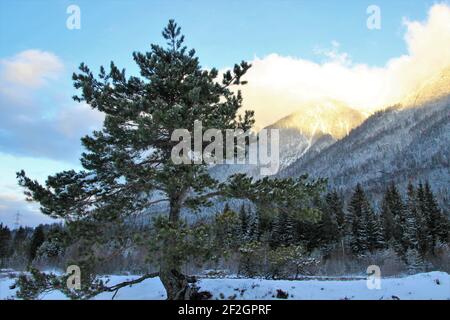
(176, 284)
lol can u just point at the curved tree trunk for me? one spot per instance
(175, 283)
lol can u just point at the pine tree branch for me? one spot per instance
(119, 286)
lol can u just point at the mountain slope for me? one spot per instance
(309, 130)
(399, 144)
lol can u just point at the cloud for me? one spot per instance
(37, 125)
(12, 199)
(77, 120)
(31, 68)
(280, 85)
(35, 120)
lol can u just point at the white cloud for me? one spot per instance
(281, 85)
(78, 119)
(49, 127)
(31, 68)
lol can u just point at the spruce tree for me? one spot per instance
(374, 230)
(328, 227)
(414, 261)
(358, 208)
(397, 207)
(334, 207)
(277, 230)
(128, 167)
(244, 223)
(387, 213)
(415, 226)
(437, 221)
(254, 229)
(283, 230)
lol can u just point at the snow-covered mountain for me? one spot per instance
(312, 128)
(435, 88)
(407, 142)
(325, 117)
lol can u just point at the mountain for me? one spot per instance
(434, 89)
(312, 128)
(407, 142)
(325, 117)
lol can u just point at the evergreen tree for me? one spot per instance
(334, 207)
(414, 261)
(358, 208)
(120, 175)
(244, 223)
(253, 229)
(37, 240)
(437, 221)
(20, 235)
(278, 229)
(283, 231)
(374, 230)
(393, 215)
(5, 243)
(226, 208)
(227, 230)
(415, 226)
(328, 227)
(387, 214)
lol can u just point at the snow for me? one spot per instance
(423, 286)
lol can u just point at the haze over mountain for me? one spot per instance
(314, 127)
(406, 142)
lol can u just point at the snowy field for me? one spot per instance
(432, 285)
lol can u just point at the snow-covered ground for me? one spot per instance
(432, 285)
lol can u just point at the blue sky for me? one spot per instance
(223, 32)
(40, 125)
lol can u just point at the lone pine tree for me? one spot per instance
(127, 164)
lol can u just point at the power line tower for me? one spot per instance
(17, 222)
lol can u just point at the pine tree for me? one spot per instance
(227, 230)
(120, 177)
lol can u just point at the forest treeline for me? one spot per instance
(404, 233)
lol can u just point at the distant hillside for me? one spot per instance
(401, 144)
